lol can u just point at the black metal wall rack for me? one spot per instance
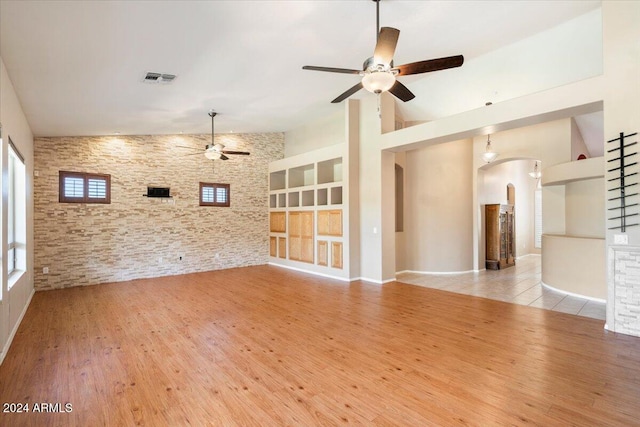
(625, 188)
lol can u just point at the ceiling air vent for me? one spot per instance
(159, 78)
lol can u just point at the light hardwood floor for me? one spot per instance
(266, 346)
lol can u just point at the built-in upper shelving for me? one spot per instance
(330, 171)
(301, 176)
(277, 180)
(579, 170)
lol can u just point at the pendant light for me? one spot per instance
(489, 155)
(536, 174)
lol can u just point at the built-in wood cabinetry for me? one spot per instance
(301, 236)
(307, 212)
(273, 246)
(336, 254)
(330, 222)
(499, 236)
(323, 252)
(282, 247)
(278, 222)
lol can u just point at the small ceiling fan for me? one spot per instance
(216, 151)
(378, 72)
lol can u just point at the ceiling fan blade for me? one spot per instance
(245, 153)
(190, 148)
(200, 153)
(348, 93)
(386, 46)
(331, 70)
(223, 157)
(430, 65)
(401, 92)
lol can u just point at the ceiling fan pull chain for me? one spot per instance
(379, 109)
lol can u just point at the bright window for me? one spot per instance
(537, 205)
(215, 194)
(80, 187)
(16, 212)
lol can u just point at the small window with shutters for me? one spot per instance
(80, 187)
(215, 194)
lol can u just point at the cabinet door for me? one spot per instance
(306, 234)
(282, 247)
(323, 223)
(323, 252)
(335, 222)
(277, 222)
(294, 223)
(294, 235)
(330, 222)
(273, 246)
(336, 255)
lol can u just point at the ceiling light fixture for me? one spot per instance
(489, 155)
(536, 174)
(378, 80)
(213, 151)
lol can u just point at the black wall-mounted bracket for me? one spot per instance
(625, 188)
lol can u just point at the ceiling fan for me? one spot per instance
(378, 72)
(216, 151)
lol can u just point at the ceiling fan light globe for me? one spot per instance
(378, 81)
(212, 155)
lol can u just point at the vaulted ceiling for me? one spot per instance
(78, 66)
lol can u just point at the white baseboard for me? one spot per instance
(437, 272)
(328, 276)
(15, 328)
(562, 291)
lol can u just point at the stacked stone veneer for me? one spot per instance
(626, 304)
(138, 237)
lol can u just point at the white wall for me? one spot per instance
(567, 53)
(15, 125)
(323, 132)
(577, 142)
(585, 213)
(438, 219)
(621, 33)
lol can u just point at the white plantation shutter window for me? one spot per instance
(80, 187)
(73, 187)
(221, 195)
(207, 194)
(96, 188)
(215, 194)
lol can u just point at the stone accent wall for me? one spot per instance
(626, 270)
(138, 237)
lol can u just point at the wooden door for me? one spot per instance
(273, 248)
(306, 237)
(278, 222)
(301, 236)
(335, 222)
(323, 252)
(336, 255)
(294, 235)
(282, 247)
(330, 222)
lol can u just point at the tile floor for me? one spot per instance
(519, 285)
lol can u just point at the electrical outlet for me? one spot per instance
(45, 270)
(620, 239)
(160, 260)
